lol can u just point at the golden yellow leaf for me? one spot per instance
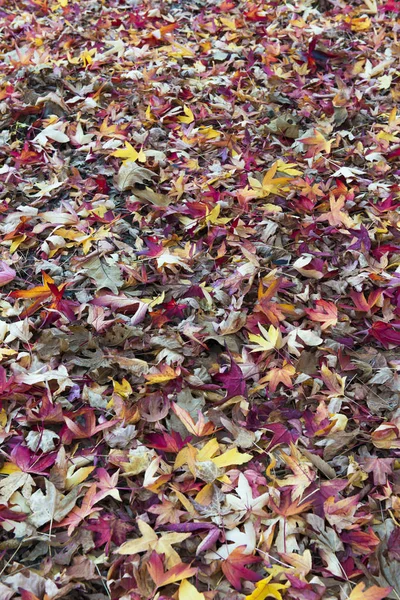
(208, 450)
(130, 154)
(272, 339)
(232, 457)
(187, 591)
(3, 418)
(189, 116)
(372, 593)
(150, 541)
(123, 389)
(166, 373)
(265, 589)
(76, 478)
(9, 468)
(288, 168)
(17, 241)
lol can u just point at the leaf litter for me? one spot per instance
(199, 305)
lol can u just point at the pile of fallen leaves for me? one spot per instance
(200, 300)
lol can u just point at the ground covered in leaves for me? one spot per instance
(200, 300)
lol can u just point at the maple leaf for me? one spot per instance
(333, 381)
(386, 436)
(44, 292)
(364, 305)
(87, 509)
(200, 429)
(168, 442)
(372, 593)
(270, 340)
(108, 483)
(167, 511)
(163, 373)
(187, 591)
(234, 567)
(307, 337)
(386, 334)
(151, 541)
(379, 467)
(288, 168)
(274, 311)
(176, 573)
(303, 475)
(278, 375)
(89, 429)
(231, 457)
(316, 141)
(243, 501)
(110, 528)
(336, 216)
(325, 313)
(188, 118)
(233, 381)
(341, 513)
(362, 543)
(269, 184)
(113, 131)
(52, 506)
(265, 589)
(54, 132)
(21, 459)
(129, 154)
(202, 463)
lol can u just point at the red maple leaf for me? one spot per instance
(232, 380)
(234, 567)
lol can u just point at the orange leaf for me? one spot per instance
(176, 573)
(279, 375)
(198, 429)
(164, 373)
(372, 593)
(326, 313)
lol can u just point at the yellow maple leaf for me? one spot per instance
(86, 57)
(270, 184)
(208, 132)
(265, 589)
(205, 459)
(228, 23)
(164, 373)
(362, 23)
(232, 457)
(129, 154)
(288, 168)
(151, 541)
(208, 450)
(189, 116)
(272, 339)
(187, 591)
(72, 60)
(318, 141)
(372, 593)
(74, 479)
(179, 51)
(123, 389)
(213, 216)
